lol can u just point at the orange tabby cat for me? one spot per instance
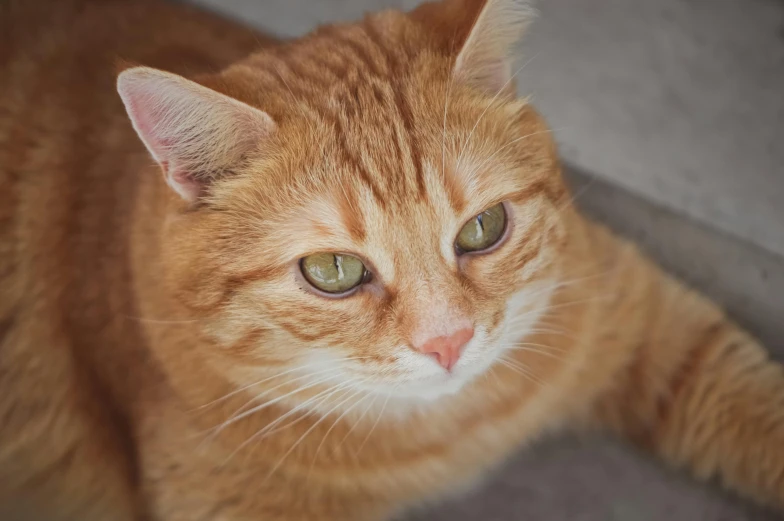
(352, 277)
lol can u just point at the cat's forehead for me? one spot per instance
(400, 144)
(398, 174)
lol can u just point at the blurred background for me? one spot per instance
(670, 118)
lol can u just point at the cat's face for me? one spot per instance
(392, 206)
(396, 233)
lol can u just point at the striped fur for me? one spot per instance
(163, 359)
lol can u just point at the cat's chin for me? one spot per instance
(431, 389)
(428, 389)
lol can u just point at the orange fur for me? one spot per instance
(162, 358)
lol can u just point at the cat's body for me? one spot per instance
(118, 356)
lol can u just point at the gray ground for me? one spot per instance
(671, 115)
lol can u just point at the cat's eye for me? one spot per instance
(482, 231)
(334, 272)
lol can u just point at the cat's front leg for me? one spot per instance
(709, 399)
(725, 417)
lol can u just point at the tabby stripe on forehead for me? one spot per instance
(372, 65)
(340, 139)
(416, 156)
(349, 211)
(381, 99)
(453, 192)
(402, 107)
(349, 157)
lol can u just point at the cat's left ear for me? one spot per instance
(486, 59)
(196, 134)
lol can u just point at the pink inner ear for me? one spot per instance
(193, 132)
(143, 122)
(178, 179)
(183, 182)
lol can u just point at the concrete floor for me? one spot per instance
(671, 115)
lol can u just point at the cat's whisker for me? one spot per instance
(595, 298)
(495, 375)
(334, 424)
(269, 429)
(305, 434)
(489, 372)
(356, 423)
(593, 275)
(378, 419)
(236, 416)
(578, 194)
(513, 363)
(535, 345)
(535, 320)
(259, 382)
(248, 386)
(514, 344)
(257, 397)
(553, 307)
(319, 398)
(561, 284)
(526, 316)
(443, 133)
(520, 369)
(269, 403)
(536, 351)
(548, 331)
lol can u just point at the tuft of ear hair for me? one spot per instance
(486, 59)
(193, 132)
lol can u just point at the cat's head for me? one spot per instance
(371, 205)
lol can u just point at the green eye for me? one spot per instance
(333, 272)
(482, 231)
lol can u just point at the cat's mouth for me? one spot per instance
(418, 377)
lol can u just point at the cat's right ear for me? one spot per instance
(196, 134)
(486, 58)
(482, 35)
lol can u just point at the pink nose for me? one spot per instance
(446, 349)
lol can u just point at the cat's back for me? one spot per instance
(69, 164)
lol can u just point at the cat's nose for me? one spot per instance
(447, 349)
